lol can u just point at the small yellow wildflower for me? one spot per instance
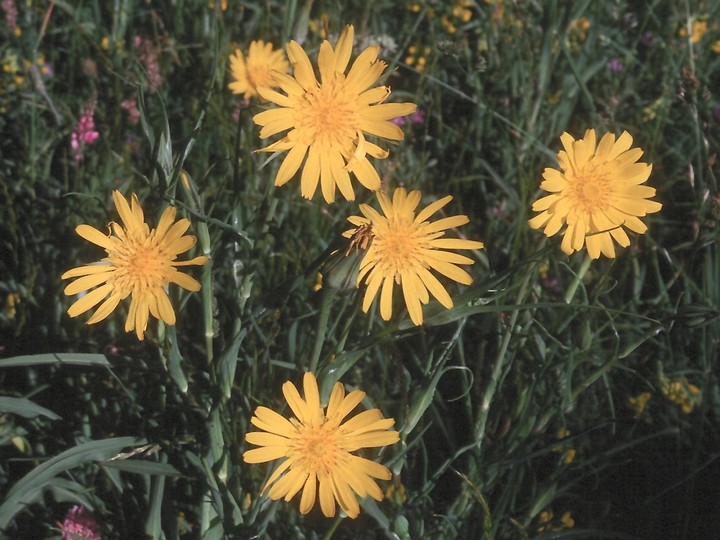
(639, 403)
(546, 521)
(680, 391)
(140, 263)
(316, 447)
(697, 31)
(327, 120)
(596, 194)
(568, 454)
(405, 247)
(11, 302)
(260, 68)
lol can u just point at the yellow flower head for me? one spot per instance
(698, 31)
(316, 446)
(328, 120)
(259, 69)
(140, 263)
(596, 194)
(639, 403)
(405, 247)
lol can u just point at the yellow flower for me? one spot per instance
(11, 302)
(567, 520)
(261, 67)
(698, 30)
(568, 455)
(596, 194)
(140, 263)
(639, 403)
(328, 120)
(405, 247)
(682, 392)
(546, 521)
(316, 446)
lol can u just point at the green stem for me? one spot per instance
(578, 279)
(331, 530)
(492, 386)
(328, 295)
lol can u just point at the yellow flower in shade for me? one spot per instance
(405, 247)
(639, 403)
(328, 120)
(140, 263)
(680, 391)
(260, 68)
(316, 447)
(698, 29)
(596, 194)
(547, 521)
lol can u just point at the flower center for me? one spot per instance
(590, 189)
(318, 448)
(327, 116)
(259, 76)
(398, 247)
(139, 266)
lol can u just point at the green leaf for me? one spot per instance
(153, 525)
(32, 484)
(143, 467)
(228, 363)
(332, 372)
(175, 361)
(25, 408)
(421, 402)
(75, 359)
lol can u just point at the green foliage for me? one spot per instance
(515, 407)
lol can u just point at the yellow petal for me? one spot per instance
(431, 208)
(307, 500)
(264, 454)
(386, 298)
(343, 48)
(327, 499)
(91, 234)
(302, 68)
(310, 173)
(90, 300)
(291, 164)
(87, 282)
(106, 308)
(326, 62)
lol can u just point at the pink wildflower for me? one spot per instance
(79, 524)
(418, 117)
(11, 13)
(130, 105)
(149, 58)
(615, 65)
(84, 133)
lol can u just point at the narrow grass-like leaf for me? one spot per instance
(334, 370)
(153, 525)
(23, 491)
(228, 363)
(146, 468)
(25, 408)
(75, 359)
(175, 360)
